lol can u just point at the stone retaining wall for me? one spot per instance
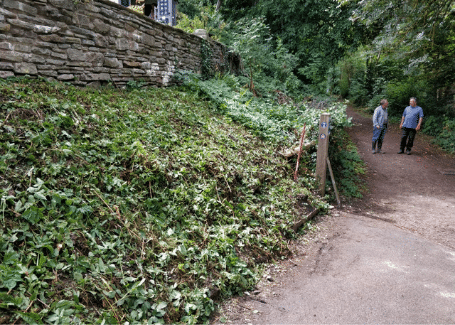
(94, 41)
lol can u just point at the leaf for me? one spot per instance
(32, 215)
(30, 318)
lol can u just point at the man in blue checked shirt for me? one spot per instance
(410, 123)
(380, 120)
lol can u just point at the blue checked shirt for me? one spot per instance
(380, 116)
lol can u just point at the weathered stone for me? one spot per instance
(112, 63)
(148, 40)
(63, 4)
(94, 84)
(117, 32)
(55, 62)
(131, 64)
(6, 66)
(6, 46)
(10, 56)
(65, 77)
(138, 71)
(100, 27)
(7, 14)
(101, 70)
(6, 74)
(25, 68)
(36, 59)
(48, 73)
(146, 65)
(40, 51)
(64, 46)
(14, 4)
(87, 42)
(39, 29)
(2, 18)
(22, 48)
(61, 56)
(100, 41)
(75, 55)
(72, 40)
(82, 20)
(83, 31)
(20, 23)
(97, 59)
(52, 38)
(78, 64)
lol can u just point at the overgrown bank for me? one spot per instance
(142, 205)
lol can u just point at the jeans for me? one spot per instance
(407, 138)
(378, 135)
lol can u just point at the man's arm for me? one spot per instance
(420, 123)
(402, 120)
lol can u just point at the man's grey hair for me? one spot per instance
(383, 101)
(415, 99)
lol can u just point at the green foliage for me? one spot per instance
(206, 59)
(136, 205)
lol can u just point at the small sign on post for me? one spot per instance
(323, 150)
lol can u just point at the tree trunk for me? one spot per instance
(218, 5)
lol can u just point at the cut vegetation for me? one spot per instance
(144, 205)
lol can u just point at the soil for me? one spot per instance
(386, 258)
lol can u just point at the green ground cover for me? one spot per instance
(142, 205)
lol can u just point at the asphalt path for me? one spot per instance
(387, 259)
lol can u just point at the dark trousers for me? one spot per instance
(148, 10)
(407, 138)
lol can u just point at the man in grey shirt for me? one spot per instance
(380, 121)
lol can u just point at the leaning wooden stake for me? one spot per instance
(300, 152)
(300, 223)
(333, 181)
(323, 149)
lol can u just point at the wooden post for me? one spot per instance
(333, 182)
(323, 150)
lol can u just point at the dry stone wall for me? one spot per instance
(93, 42)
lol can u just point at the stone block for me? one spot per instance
(62, 56)
(64, 46)
(87, 42)
(100, 27)
(75, 55)
(10, 56)
(6, 13)
(48, 73)
(6, 74)
(96, 59)
(101, 70)
(36, 59)
(131, 64)
(138, 71)
(52, 38)
(22, 48)
(78, 64)
(19, 23)
(4, 28)
(40, 29)
(83, 31)
(6, 46)
(25, 68)
(72, 40)
(101, 41)
(65, 4)
(55, 62)
(148, 40)
(112, 63)
(14, 4)
(6, 66)
(65, 77)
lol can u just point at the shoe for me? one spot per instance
(400, 152)
(373, 151)
(378, 151)
(408, 152)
